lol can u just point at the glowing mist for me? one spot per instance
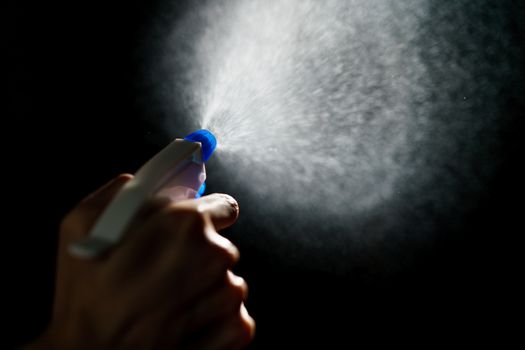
(343, 126)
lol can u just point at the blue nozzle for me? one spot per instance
(207, 140)
(201, 190)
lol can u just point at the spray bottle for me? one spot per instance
(176, 172)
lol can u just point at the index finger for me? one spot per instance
(223, 209)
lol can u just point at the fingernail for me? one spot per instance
(232, 202)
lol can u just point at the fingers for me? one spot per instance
(80, 220)
(177, 250)
(222, 209)
(169, 270)
(219, 304)
(181, 229)
(233, 333)
(102, 196)
(172, 246)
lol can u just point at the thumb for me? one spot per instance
(81, 219)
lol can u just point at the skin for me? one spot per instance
(167, 285)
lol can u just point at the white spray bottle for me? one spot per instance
(177, 172)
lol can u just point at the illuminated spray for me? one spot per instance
(177, 172)
(347, 127)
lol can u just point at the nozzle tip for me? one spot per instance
(207, 140)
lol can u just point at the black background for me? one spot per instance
(73, 122)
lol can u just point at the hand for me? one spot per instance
(167, 285)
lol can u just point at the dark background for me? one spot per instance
(73, 121)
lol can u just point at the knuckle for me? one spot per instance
(153, 205)
(74, 221)
(226, 254)
(190, 217)
(245, 329)
(67, 223)
(238, 287)
(237, 294)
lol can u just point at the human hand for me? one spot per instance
(166, 285)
